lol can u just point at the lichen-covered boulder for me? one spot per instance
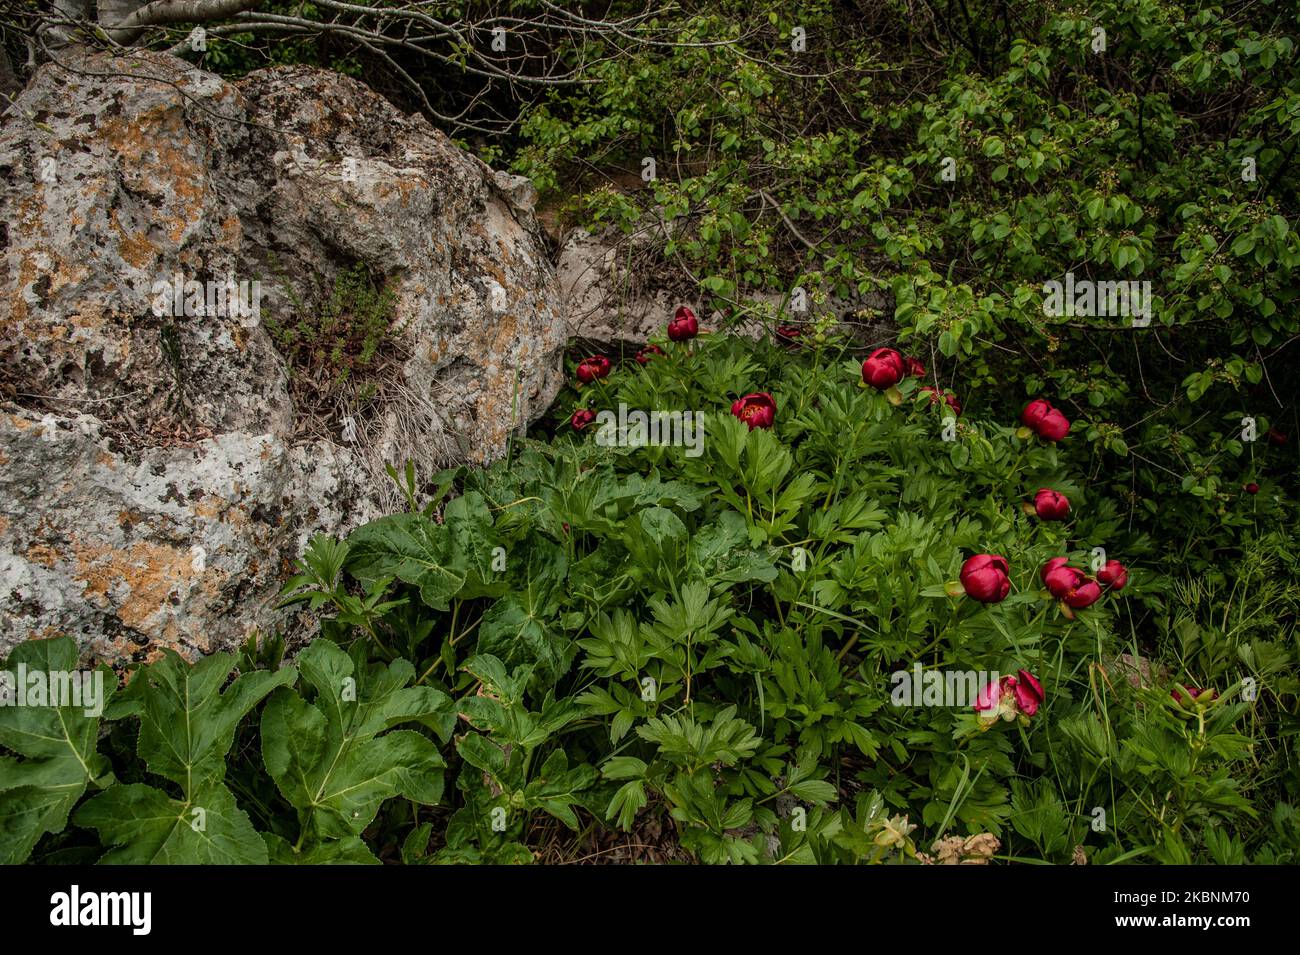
(162, 231)
(178, 546)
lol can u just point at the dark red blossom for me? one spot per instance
(1070, 584)
(684, 325)
(1051, 505)
(757, 410)
(589, 369)
(789, 335)
(986, 578)
(1113, 576)
(883, 369)
(1045, 421)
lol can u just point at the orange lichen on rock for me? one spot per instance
(148, 574)
(136, 250)
(42, 554)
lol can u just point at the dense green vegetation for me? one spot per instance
(583, 639)
(589, 635)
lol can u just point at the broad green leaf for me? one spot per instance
(327, 756)
(145, 826)
(350, 851)
(414, 549)
(59, 745)
(520, 627)
(187, 723)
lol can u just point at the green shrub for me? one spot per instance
(589, 636)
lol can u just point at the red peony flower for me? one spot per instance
(1251, 488)
(1058, 577)
(1051, 505)
(990, 696)
(757, 410)
(1084, 595)
(912, 368)
(589, 369)
(947, 396)
(644, 356)
(684, 325)
(883, 369)
(1113, 576)
(985, 577)
(1029, 693)
(1009, 697)
(1070, 584)
(1033, 413)
(1054, 426)
(1045, 421)
(581, 418)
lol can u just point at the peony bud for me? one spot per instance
(1054, 426)
(1113, 576)
(1051, 505)
(1044, 420)
(883, 369)
(985, 577)
(684, 325)
(581, 418)
(1033, 413)
(1198, 695)
(1059, 577)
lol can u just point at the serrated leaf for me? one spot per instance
(556, 787)
(627, 801)
(145, 826)
(187, 724)
(327, 757)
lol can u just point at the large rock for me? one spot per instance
(179, 548)
(158, 472)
